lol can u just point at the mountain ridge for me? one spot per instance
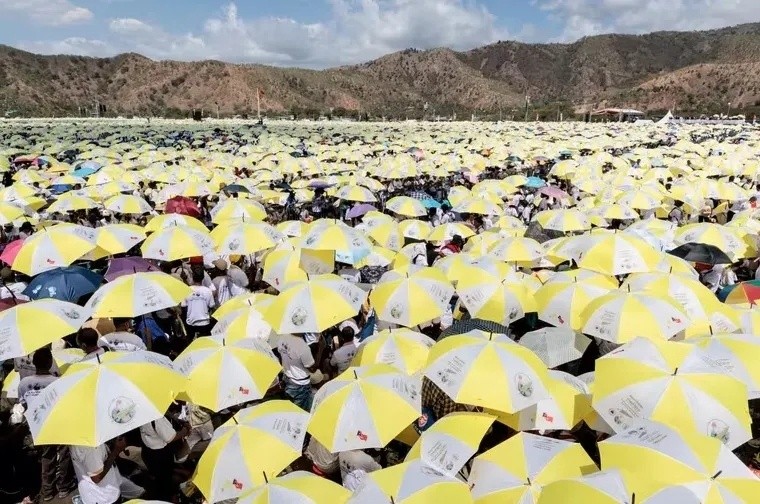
(699, 71)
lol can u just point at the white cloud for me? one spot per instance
(353, 32)
(592, 17)
(47, 12)
(72, 45)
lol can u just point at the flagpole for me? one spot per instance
(258, 103)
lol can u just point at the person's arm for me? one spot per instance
(118, 447)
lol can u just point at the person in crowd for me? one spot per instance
(299, 369)
(198, 307)
(99, 479)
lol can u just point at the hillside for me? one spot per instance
(691, 70)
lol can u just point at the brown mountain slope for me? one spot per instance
(691, 69)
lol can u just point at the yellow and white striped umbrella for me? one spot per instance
(177, 242)
(487, 370)
(253, 446)
(738, 353)
(664, 464)
(314, 305)
(673, 383)
(703, 309)
(108, 396)
(243, 323)
(355, 193)
(128, 204)
(561, 303)
(622, 316)
(446, 232)
(478, 206)
(387, 235)
(53, 247)
(641, 199)
(137, 294)
(26, 327)
(618, 254)
(411, 483)
(378, 256)
(350, 412)
(241, 238)
(222, 374)
(415, 229)
(292, 228)
(297, 487)
(451, 441)
(70, 202)
(516, 470)
(9, 213)
(404, 349)
(334, 235)
(172, 220)
(568, 405)
(604, 487)
(566, 221)
(412, 296)
(516, 250)
(257, 300)
(406, 206)
(291, 264)
(118, 238)
(616, 211)
(237, 209)
(491, 298)
(726, 238)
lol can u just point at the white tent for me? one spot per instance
(666, 119)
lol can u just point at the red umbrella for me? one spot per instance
(184, 206)
(11, 251)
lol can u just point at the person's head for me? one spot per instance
(457, 240)
(26, 227)
(197, 276)
(87, 339)
(43, 360)
(753, 200)
(346, 335)
(122, 324)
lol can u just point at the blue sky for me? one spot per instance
(325, 33)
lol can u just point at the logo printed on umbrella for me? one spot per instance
(49, 261)
(161, 252)
(244, 390)
(234, 244)
(299, 316)
(397, 311)
(237, 484)
(719, 430)
(546, 416)
(524, 384)
(362, 436)
(122, 410)
(561, 320)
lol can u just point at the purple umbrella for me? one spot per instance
(126, 266)
(358, 210)
(554, 192)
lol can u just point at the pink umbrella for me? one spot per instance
(11, 251)
(554, 192)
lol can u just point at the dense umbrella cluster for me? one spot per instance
(383, 313)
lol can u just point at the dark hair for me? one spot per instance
(119, 321)
(197, 276)
(88, 337)
(43, 359)
(347, 334)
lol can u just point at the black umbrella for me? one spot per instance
(701, 253)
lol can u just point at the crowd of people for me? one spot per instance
(158, 460)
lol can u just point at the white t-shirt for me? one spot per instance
(198, 305)
(157, 434)
(25, 367)
(31, 386)
(89, 462)
(296, 358)
(342, 357)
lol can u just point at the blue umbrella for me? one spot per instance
(535, 183)
(83, 172)
(65, 284)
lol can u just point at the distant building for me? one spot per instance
(619, 114)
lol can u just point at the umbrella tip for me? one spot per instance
(716, 475)
(356, 377)
(675, 372)
(266, 480)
